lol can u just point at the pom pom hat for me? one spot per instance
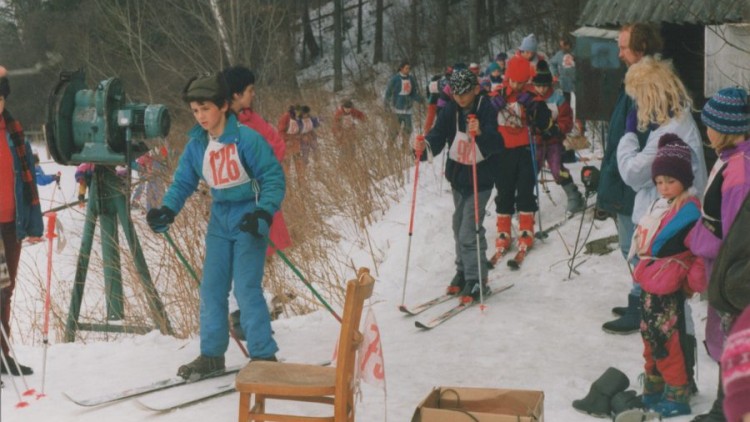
(673, 159)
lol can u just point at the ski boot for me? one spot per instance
(200, 367)
(504, 240)
(675, 402)
(526, 231)
(457, 284)
(471, 293)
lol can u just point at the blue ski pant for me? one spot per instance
(232, 254)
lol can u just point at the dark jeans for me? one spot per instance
(515, 182)
(12, 256)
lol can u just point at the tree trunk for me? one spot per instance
(309, 38)
(222, 30)
(414, 31)
(473, 30)
(441, 42)
(377, 55)
(360, 30)
(338, 16)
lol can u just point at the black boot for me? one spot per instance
(457, 284)
(598, 401)
(25, 370)
(716, 414)
(628, 323)
(625, 400)
(201, 366)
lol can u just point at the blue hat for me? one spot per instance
(529, 43)
(727, 111)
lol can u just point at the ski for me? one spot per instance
(499, 254)
(145, 389)
(450, 313)
(418, 309)
(515, 263)
(218, 387)
(188, 396)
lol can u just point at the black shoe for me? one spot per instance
(235, 326)
(630, 322)
(201, 366)
(25, 370)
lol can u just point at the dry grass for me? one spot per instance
(340, 197)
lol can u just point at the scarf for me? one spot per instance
(30, 194)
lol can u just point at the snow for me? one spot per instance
(543, 334)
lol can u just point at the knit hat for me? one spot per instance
(735, 369)
(543, 75)
(727, 111)
(492, 67)
(462, 81)
(529, 43)
(501, 56)
(518, 69)
(673, 159)
(4, 87)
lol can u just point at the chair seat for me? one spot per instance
(281, 378)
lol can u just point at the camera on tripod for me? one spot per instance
(590, 179)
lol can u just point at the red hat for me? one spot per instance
(518, 69)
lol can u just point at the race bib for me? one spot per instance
(461, 150)
(293, 127)
(222, 167)
(433, 87)
(405, 87)
(307, 125)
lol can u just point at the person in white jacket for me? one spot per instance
(662, 105)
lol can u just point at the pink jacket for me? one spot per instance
(661, 275)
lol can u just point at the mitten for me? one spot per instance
(631, 122)
(257, 223)
(160, 219)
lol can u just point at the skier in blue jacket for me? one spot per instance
(247, 187)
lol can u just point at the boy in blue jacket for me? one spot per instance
(247, 187)
(452, 129)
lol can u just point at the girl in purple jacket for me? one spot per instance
(728, 126)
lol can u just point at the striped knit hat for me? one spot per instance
(735, 369)
(727, 112)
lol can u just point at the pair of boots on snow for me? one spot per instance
(204, 366)
(609, 397)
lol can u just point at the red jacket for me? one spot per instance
(253, 120)
(343, 121)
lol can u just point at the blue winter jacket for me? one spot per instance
(28, 217)
(401, 104)
(43, 179)
(257, 158)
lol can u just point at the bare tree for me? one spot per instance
(308, 38)
(377, 55)
(338, 17)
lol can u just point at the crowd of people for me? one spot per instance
(499, 129)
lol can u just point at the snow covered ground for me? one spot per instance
(543, 334)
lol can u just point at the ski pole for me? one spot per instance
(28, 391)
(420, 138)
(532, 148)
(307, 283)
(473, 134)
(51, 221)
(198, 283)
(21, 402)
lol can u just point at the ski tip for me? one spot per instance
(420, 325)
(403, 309)
(541, 235)
(513, 265)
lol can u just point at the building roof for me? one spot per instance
(615, 13)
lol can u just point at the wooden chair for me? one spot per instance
(310, 383)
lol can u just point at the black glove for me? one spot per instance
(56, 178)
(257, 223)
(539, 115)
(81, 197)
(552, 132)
(160, 219)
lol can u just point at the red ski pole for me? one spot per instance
(51, 221)
(473, 135)
(420, 138)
